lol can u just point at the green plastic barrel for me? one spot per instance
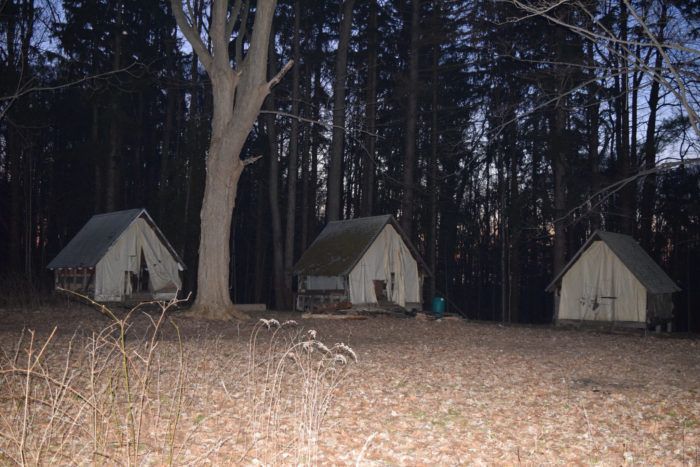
(438, 307)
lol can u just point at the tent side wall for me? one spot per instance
(599, 287)
(110, 283)
(316, 291)
(324, 282)
(386, 256)
(80, 280)
(124, 256)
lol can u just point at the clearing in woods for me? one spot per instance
(421, 393)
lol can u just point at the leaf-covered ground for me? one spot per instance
(427, 392)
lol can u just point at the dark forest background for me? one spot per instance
(483, 134)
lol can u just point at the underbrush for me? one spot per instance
(291, 383)
(17, 292)
(123, 396)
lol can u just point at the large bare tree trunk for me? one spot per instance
(18, 148)
(649, 187)
(135, 193)
(627, 194)
(558, 153)
(94, 145)
(309, 216)
(514, 231)
(261, 239)
(13, 160)
(112, 182)
(503, 236)
(411, 124)
(292, 172)
(113, 154)
(558, 160)
(335, 172)
(16, 170)
(238, 95)
(593, 114)
(164, 173)
(431, 243)
(305, 189)
(275, 216)
(371, 117)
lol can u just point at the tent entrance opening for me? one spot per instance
(143, 282)
(138, 284)
(385, 292)
(380, 291)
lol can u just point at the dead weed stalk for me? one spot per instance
(292, 379)
(102, 403)
(118, 396)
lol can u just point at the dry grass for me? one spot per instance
(421, 393)
(89, 399)
(121, 394)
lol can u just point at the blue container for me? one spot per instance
(438, 307)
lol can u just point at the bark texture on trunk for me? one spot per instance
(293, 162)
(649, 186)
(431, 243)
(95, 146)
(193, 131)
(114, 152)
(558, 160)
(261, 239)
(411, 124)
(164, 172)
(593, 114)
(371, 118)
(238, 95)
(627, 194)
(335, 172)
(14, 244)
(514, 233)
(305, 165)
(20, 26)
(275, 216)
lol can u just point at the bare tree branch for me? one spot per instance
(233, 16)
(189, 28)
(280, 74)
(242, 32)
(217, 33)
(589, 204)
(676, 86)
(29, 89)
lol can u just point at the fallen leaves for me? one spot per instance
(426, 393)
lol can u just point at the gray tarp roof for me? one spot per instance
(91, 243)
(341, 244)
(632, 255)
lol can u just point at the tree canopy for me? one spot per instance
(500, 134)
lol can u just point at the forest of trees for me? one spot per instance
(493, 132)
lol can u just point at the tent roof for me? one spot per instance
(633, 256)
(341, 245)
(91, 243)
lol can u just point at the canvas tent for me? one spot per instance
(119, 256)
(612, 279)
(367, 260)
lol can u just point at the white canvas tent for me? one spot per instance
(612, 279)
(363, 261)
(119, 256)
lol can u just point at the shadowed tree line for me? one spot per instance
(486, 132)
